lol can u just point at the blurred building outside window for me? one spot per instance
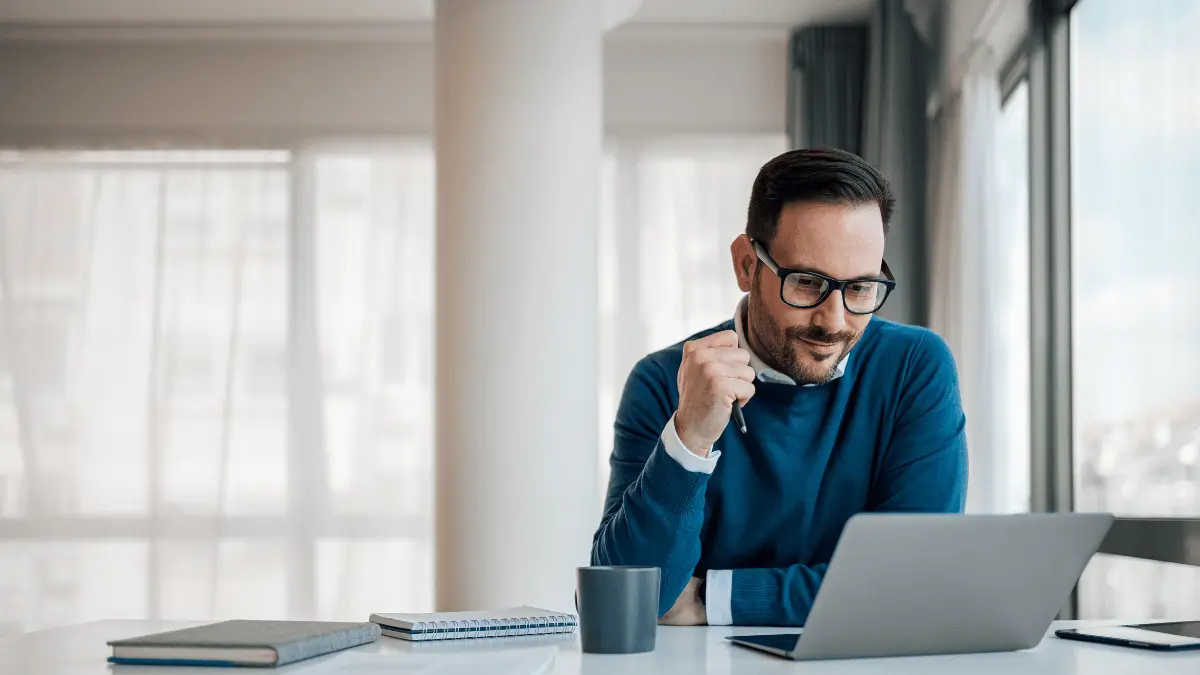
(1135, 140)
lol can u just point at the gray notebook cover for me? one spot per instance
(291, 640)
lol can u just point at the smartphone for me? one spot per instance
(1168, 636)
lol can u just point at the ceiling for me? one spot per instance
(49, 13)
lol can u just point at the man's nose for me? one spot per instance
(831, 314)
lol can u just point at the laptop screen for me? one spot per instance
(784, 641)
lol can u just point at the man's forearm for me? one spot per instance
(657, 522)
(780, 596)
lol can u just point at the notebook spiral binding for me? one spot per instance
(477, 628)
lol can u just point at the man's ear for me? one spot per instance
(744, 261)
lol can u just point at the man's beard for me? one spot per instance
(777, 347)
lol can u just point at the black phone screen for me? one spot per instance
(1170, 634)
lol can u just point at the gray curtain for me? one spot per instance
(894, 140)
(864, 89)
(825, 87)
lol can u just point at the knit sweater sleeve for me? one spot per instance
(654, 507)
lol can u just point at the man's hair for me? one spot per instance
(824, 175)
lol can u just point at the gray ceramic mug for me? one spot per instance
(618, 609)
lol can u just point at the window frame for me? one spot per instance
(1014, 71)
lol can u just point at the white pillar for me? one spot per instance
(518, 127)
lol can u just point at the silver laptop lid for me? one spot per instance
(904, 584)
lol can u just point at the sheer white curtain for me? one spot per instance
(974, 255)
(374, 254)
(155, 459)
(142, 398)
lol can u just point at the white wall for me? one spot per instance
(714, 84)
(217, 87)
(260, 91)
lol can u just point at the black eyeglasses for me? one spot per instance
(804, 290)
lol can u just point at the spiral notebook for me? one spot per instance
(491, 623)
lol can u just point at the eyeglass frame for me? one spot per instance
(889, 281)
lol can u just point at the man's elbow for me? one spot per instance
(601, 553)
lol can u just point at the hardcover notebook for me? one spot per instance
(242, 643)
(493, 623)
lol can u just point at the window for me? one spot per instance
(147, 461)
(375, 243)
(1135, 167)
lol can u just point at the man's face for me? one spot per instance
(843, 242)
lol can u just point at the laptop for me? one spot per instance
(909, 584)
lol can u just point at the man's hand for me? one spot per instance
(714, 373)
(687, 610)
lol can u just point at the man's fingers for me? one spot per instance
(723, 354)
(722, 369)
(725, 338)
(739, 389)
(744, 373)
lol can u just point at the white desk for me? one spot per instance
(81, 650)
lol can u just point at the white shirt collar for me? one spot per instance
(761, 370)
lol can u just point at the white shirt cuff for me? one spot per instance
(718, 597)
(686, 458)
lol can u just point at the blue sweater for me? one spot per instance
(886, 436)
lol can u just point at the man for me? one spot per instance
(844, 412)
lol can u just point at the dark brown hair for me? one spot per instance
(824, 175)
